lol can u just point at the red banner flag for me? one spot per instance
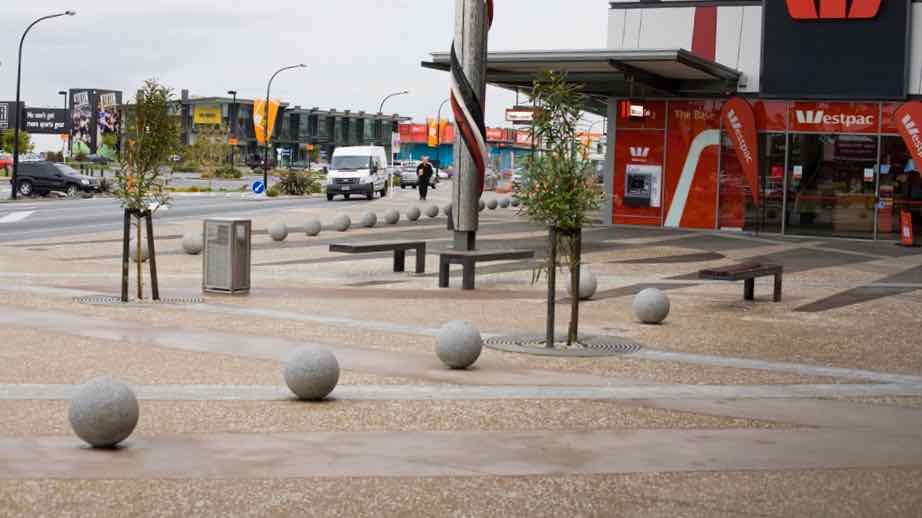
(908, 119)
(739, 122)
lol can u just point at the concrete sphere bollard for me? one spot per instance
(369, 220)
(192, 243)
(342, 223)
(515, 202)
(651, 306)
(103, 412)
(481, 205)
(312, 373)
(278, 231)
(588, 284)
(492, 204)
(414, 213)
(133, 250)
(504, 203)
(312, 227)
(432, 211)
(458, 344)
(392, 217)
(446, 209)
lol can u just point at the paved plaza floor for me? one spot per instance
(808, 407)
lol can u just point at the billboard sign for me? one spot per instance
(8, 114)
(208, 115)
(45, 121)
(95, 122)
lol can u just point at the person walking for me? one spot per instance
(424, 174)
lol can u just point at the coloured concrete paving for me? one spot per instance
(804, 408)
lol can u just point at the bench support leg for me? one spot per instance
(749, 289)
(421, 259)
(443, 272)
(467, 282)
(400, 261)
(778, 285)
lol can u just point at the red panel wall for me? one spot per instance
(692, 125)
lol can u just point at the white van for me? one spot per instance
(360, 170)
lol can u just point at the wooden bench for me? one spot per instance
(469, 259)
(398, 247)
(748, 274)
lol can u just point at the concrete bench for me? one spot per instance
(469, 259)
(398, 247)
(748, 274)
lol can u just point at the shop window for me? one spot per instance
(758, 209)
(832, 185)
(900, 189)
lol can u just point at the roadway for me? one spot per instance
(43, 218)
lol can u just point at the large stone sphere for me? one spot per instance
(651, 306)
(492, 204)
(515, 202)
(312, 373)
(312, 227)
(458, 344)
(588, 284)
(369, 220)
(481, 205)
(432, 211)
(192, 243)
(342, 223)
(414, 213)
(504, 203)
(278, 231)
(446, 209)
(103, 412)
(133, 250)
(392, 217)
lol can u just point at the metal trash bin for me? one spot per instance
(226, 258)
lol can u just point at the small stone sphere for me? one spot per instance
(492, 204)
(432, 211)
(312, 227)
(342, 223)
(103, 412)
(133, 250)
(278, 231)
(192, 243)
(515, 202)
(312, 373)
(458, 344)
(369, 220)
(414, 213)
(446, 209)
(651, 306)
(392, 216)
(504, 203)
(482, 205)
(588, 284)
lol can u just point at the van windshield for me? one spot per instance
(350, 163)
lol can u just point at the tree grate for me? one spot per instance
(108, 300)
(588, 346)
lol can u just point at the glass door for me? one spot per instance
(900, 190)
(739, 207)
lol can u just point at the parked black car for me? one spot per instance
(43, 177)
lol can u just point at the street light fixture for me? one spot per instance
(233, 127)
(381, 112)
(266, 122)
(64, 144)
(18, 84)
(438, 131)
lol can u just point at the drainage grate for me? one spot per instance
(108, 300)
(588, 346)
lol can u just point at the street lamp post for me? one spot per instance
(381, 112)
(64, 144)
(266, 122)
(438, 131)
(233, 127)
(18, 84)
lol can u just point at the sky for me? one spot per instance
(357, 51)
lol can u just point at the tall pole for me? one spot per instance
(64, 144)
(438, 131)
(381, 113)
(468, 75)
(266, 122)
(233, 128)
(16, 106)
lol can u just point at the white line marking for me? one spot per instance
(704, 140)
(13, 217)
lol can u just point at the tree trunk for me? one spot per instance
(551, 287)
(140, 257)
(576, 245)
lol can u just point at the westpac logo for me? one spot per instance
(640, 152)
(833, 9)
(840, 119)
(737, 128)
(913, 130)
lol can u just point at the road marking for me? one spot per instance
(13, 217)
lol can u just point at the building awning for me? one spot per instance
(610, 73)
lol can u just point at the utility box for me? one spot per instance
(226, 261)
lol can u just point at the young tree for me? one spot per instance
(209, 150)
(559, 190)
(151, 136)
(25, 141)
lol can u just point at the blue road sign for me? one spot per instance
(259, 187)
